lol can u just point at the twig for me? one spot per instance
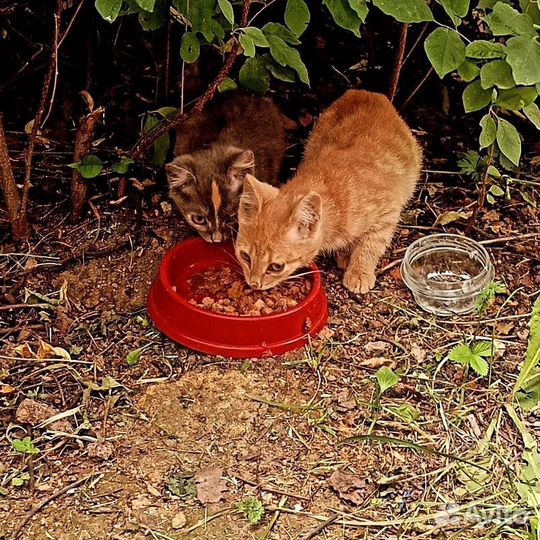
(481, 193)
(7, 307)
(173, 121)
(319, 528)
(268, 529)
(46, 501)
(83, 142)
(271, 489)
(398, 62)
(418, 86)
(8, 187)
(509, 238)
(11, 329)
(23, 207)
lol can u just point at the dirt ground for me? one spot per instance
(170, 446)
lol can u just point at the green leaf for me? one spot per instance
(505, 20)
(479, 365)
(488, 293)
(456, 8)
(468, 71)
(529, 395)
(482, 49)
(252, 509)
(497, 73)
(153, 20)
(524, 58)
(445, 50)
(475, 97)
(190, 47)
(253, 76)
(133, 357)
(227, 9)
(361, 8)
(165, 112)
(386, 378)
(489, 131)
(24, 446)
(287, 56)
(109, 9)
(532, 112)
(247, 45)
(485, 349)
(257, 35)
(227, 85)
(532, 357)
(463, 354)
(514, 99)
(282, 73)
(122, 166)
(493, 172)
(276, 29)
(147, 5)
(497, 191)
(509, 141)
(89, 166)
(344, 15)
(297, 16)
(20, 480)
(406, 11)
(406, 412)
(160, 148)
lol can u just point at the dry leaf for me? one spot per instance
(450, 217)
(34, 413)
(179, 520)
(152, 490)
(24, 351)
(417, 353)
(377, 362)
(345, 400)
(210, 485)
(141, 501)
(45, 350)
(376, 346)
(349, 487)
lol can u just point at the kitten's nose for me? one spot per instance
(217, 237)
(255, 285)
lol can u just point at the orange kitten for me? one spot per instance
(360, 168)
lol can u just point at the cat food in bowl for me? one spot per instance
(446, 273)
(199, 299)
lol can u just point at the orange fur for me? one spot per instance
(360, 168)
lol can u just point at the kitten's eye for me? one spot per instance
(198, 219)
(245, 256)
(276, 267)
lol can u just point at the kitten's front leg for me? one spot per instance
(360, 274)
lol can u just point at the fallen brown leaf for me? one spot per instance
(377, 362)
(349, 487)
(210, 485)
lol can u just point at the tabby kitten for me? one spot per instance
(234, 136)
(360, 167)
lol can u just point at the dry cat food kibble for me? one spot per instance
(223, 290)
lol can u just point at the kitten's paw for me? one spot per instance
(342, 259)
(359, 283)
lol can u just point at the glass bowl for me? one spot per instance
(446, 273)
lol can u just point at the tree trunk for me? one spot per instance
(83, 142)
(19, 227)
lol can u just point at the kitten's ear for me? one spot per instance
(178, 175)
(253, 196)
(242, 164)
(306, 217)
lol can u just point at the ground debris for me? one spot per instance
(34, 412)
(349, 487)
(210, 485)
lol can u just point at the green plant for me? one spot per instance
(252, 509)
(133, 357)
(386, 379)
(487, 296)
(20, 480)
(24, 446)
(473, 355)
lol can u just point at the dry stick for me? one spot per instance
(83, 142)
(271, 489)
(46, 501)
(481, 193)
(23, 207)
(319, 528)
(173, 121)
(398, 62)
(415, 91)
(8, 186)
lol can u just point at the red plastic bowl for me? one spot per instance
(226, 335)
